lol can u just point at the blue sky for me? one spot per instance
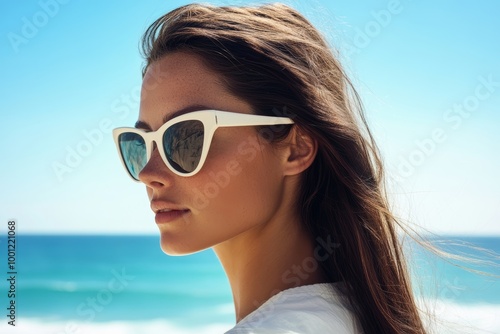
(428, 72)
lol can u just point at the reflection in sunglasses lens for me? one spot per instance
(183, 143)
(133, 151)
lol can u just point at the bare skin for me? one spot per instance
(250, 219)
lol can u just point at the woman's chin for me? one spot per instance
(174, 247)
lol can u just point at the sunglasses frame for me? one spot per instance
(211, 119)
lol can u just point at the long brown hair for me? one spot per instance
(272, 57)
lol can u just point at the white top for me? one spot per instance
(310, 309)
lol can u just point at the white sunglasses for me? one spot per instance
(183, 142)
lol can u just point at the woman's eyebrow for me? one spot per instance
(142, 125)
(194, 107)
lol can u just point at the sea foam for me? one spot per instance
(446, 317)
(443, 318)
(41, 326)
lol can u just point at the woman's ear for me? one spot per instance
(301, 151)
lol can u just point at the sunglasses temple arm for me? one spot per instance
(238, 119)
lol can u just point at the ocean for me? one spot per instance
(126, 284)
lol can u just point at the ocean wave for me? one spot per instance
(42, 326)
(224, 309)
(446, 317)
(441, 317)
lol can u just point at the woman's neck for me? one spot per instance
(265, 260)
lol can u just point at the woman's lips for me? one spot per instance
(165, 217)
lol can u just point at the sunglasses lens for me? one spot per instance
(133, 150)
(183, 143)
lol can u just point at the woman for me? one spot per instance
(251, 140)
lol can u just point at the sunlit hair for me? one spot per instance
(272, 57)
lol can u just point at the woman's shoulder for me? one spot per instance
(317, 308)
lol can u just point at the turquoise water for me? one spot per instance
(447, 280)
(102, 280)
(56, 274)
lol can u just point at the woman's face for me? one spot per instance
(240, 186)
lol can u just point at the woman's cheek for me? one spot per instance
(215, 181)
